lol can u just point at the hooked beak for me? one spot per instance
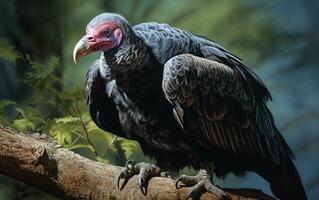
(81, 48)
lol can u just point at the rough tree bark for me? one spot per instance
(39, 161)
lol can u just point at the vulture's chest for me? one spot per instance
(148, 122)
(145, 115)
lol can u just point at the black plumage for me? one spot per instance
(188, 102)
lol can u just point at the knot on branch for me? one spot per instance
(48, 162)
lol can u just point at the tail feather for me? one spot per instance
(285, 182)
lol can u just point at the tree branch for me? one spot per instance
(39, 161)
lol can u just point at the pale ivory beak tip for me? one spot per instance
(80, 49)
(75, 56)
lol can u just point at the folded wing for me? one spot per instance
(215, 105)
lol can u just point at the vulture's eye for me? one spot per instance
(107, 32)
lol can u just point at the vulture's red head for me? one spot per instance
(103, 33)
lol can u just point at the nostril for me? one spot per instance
(90, 38)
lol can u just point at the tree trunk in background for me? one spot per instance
(32, 27)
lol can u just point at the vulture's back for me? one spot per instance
(166, 42)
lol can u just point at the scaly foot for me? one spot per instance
(200, 184)
(145, 172)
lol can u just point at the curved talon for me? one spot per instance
(186, 181)
(178, 181)
(145, 172)
(225, 196)
(190, 195)
(200, 184)
(118, 179)
(143, 185)
(126, 173)
(124, 183)
(196, 192)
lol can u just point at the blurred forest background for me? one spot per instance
(42, 90)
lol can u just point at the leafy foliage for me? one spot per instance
(7, 52)
(3, 105)
(60, 113)
(129, 147)
(281, 37)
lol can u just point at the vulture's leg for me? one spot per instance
(200, 184)
(145, 172)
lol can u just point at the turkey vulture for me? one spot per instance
(188, 102)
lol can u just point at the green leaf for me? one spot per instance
(24, 124)
(130, 147)
(67, 119)
(103, 160)
(29, 112)
(78, 146)
(63, 132)
(7, 52)
(99, 133)
(32, 115)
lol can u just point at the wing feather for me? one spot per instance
(221, 108)
(102, 108)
